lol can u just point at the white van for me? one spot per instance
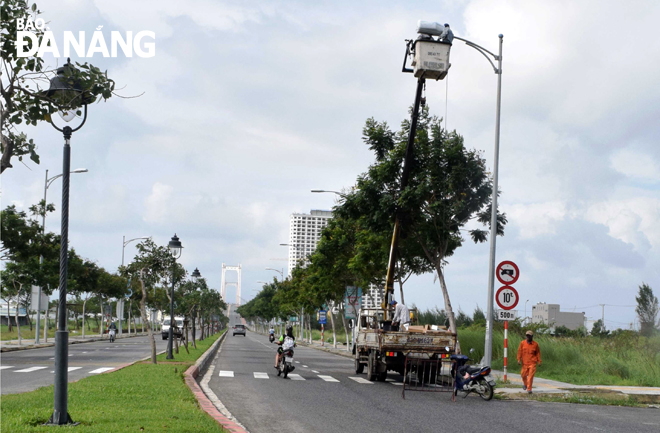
(165, 327)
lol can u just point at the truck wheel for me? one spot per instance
(382, 376)
(371, 367)
(359, 367)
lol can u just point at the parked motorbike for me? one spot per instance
(271, 338)
(112, 334)
(472, 378)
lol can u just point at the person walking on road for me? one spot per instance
(529, 354)
(401, 315)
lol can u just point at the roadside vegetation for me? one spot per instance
(143, 397)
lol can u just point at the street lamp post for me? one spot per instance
(525, 318)
(278, 271)
(195, 276)
(124, 243)
(488, 350)
(68, 93)
(175, 249)
(47, 183)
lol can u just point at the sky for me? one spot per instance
(246, 106)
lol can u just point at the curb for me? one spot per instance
(191, 380)
(86, 340)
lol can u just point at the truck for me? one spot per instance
(381, 347)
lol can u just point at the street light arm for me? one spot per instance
(135, 239)
(473, 45)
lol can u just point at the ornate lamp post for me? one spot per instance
(67, 92)
(195, 275)
(175, 249)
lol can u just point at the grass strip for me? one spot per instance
(142, 397)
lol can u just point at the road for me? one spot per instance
(26, 370)
(324, 394)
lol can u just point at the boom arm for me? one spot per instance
(391, 264)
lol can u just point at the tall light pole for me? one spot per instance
(47, 183)
(488, 350)
(342, 195)
(525, 318)
(278, 271)
(66, 92)
(196, 275)
(175, 249)
(124, 243)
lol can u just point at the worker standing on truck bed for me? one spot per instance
(401, 315)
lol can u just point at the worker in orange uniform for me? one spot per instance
(529, 354)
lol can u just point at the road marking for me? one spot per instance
(396, 383)
(297, 362)
(328, 378)
(296, 377)
(52, 357)
(224, 373)
(6, 366)
(314, 371)
(69, 369)
(260, 375)
(28, 370)
(84, 352)
(101, 370)
(304, 366)
(361, 380)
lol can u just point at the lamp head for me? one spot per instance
(80, 170)
(195, 274)
(67, 92)
(175, 246)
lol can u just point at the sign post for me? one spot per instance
(323, 319)
(507, 298)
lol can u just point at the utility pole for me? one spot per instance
(603, 315)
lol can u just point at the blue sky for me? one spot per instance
(247, 106)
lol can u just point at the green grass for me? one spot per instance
(624, 360)
(142, 397)
(576, 398)
(28, 333)
(191, 357)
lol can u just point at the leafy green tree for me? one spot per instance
(647, 310)
(24, 79)
(599, 330)
(449, 187)
(478, 317)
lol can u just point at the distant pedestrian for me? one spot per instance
(529, 354)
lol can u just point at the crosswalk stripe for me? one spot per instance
(361, 380)
(328, 378)
(101, 370)
(69, 369)
(225, 373)
(28, 370)
(260, 375)
(6, 366)
(296, 377)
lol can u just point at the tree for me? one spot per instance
(449, 186)
(598, 330)
(151, 265)
(24, 79)
(647, 310)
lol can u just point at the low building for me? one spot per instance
(550, 315)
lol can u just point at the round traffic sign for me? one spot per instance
(507, 272)
(507, 298)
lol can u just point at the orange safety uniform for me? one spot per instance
(529, 354)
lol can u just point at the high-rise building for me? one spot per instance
(305, 233)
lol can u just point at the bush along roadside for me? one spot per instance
(141, 397)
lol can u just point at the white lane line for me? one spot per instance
(52, 357)
(260, 375)
(304, 366)
(84, 352)
(314, 371)
(69, 369)
(225, 373)
(101, 370)
(297, 362)
(296, 377)
(328, 378)
(361, 380)
(6, 366)
(28, 370)
(396, 383)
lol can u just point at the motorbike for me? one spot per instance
(111, 334)
(271, 338)
(285, 365)
(472, 378)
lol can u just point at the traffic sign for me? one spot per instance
(507, 298)
(323, 317)
(507, 315)
(507, 272)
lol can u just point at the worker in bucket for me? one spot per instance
(401, 315)
(447, 35)
(529, 354)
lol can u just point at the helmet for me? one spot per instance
(289, 328)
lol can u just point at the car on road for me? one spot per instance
(165, 327)
(239, 329)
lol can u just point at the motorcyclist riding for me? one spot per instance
(289, 334)
(112, 331)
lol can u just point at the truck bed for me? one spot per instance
(405, 341)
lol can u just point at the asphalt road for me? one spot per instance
(322, 395)
(26, 370)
